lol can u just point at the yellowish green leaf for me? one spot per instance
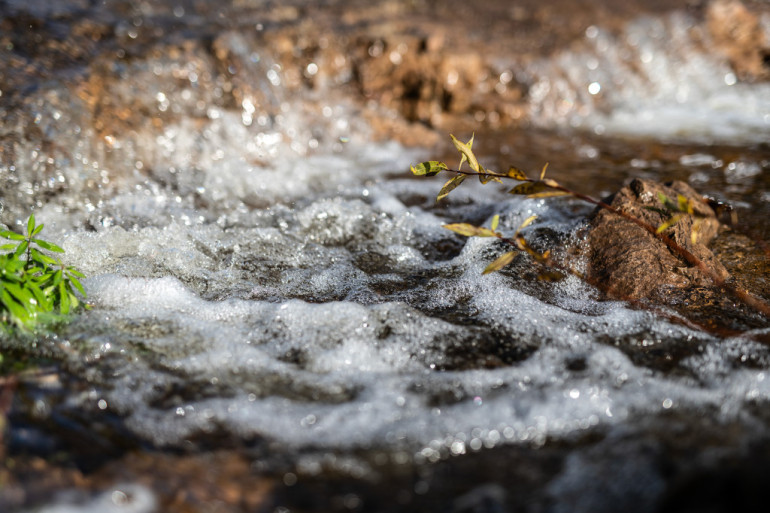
(466, 152)
(684, 204)
(695, 229)
(451, 185)
(500, 262)
(669, 223)
(495, 222)
(429, 168)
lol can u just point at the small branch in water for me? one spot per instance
(542, 188)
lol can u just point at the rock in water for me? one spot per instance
(630, 262)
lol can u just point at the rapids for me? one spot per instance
(266, 278)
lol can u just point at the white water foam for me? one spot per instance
(654, 80)
(125, 498)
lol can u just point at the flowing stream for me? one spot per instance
(266, 278)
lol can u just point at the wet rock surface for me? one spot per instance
(631, 263)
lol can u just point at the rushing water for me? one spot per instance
(263, 273)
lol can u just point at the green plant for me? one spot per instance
(543, 187)
(34, 286)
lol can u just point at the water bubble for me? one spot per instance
(273, 77)
(119, 498)
(457, 448)
(351, 501)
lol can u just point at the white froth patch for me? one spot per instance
(655, 80)
(376, 376)
(124, 498)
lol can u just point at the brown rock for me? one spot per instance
(630, 262)
(738, 33)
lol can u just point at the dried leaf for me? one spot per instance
(516, 174)
(549, 182)
(522, 244)
(451, 185)
(547, 194)
(484, 179)
(470, 230)
(528, 221)
(542, 173)
(542, 189)
(500, 262)
(550, 276)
